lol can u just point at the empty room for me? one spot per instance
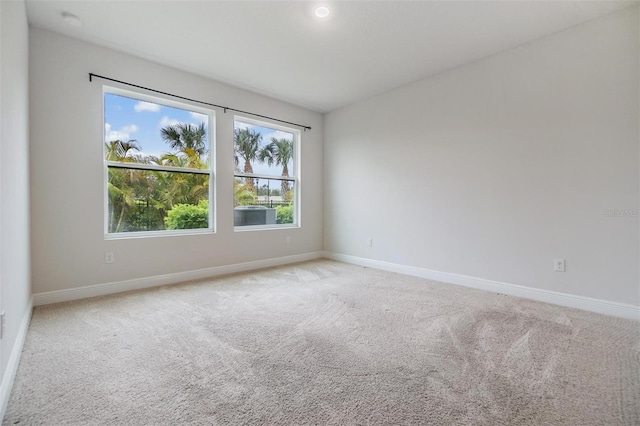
(319, 212)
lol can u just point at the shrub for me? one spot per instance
(284, 214)
(188, 216)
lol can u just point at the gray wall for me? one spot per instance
(67, 173)
(15, 288)
(493, 169)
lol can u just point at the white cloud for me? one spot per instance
(124, 134)
(278, 134)
(166, 121)
(146, 106)
(200, 118)
(156, 154)
(241, 125)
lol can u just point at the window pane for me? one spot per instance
(149, 200)
(263, 150)
(263, 202)
(150, 133)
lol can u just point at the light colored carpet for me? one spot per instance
(324, 343)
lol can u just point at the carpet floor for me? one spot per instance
(324, 343)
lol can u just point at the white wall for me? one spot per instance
(15, 287)
(493, 169)
(67, 172)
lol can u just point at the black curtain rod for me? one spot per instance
(225, 108)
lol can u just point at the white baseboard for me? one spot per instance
(14, 360)
(621, 310)
(66, 295)
(605, 307)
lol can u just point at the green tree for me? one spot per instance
(118, 150)
(122, 183)
(280, 152)
(139, 200)
(246, 144)
(179, 188)
(188, 145)
(188, 139)
(243, 196)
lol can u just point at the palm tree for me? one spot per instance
(187, 139)
(246, 145)
(179, 188)
(188, 150)
(121, 181)
(280, 152)
(118, 150)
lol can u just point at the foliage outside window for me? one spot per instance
(158, 165)
(265, 179)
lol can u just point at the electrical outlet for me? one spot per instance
(558, 265)
(369, 242)
(287, 240)
(109, 257)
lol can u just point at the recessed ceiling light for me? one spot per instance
(71, 19)
(321, 11)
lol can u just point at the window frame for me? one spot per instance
(211, 135)
(295, 179)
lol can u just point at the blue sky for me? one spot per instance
(127, 118)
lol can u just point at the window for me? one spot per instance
(158, 165)
(266, 175)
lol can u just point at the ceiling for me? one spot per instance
(280, 49)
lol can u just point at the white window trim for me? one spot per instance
(297, 214)
(211, 229)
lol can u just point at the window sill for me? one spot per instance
(264, 227)
(156, 234)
